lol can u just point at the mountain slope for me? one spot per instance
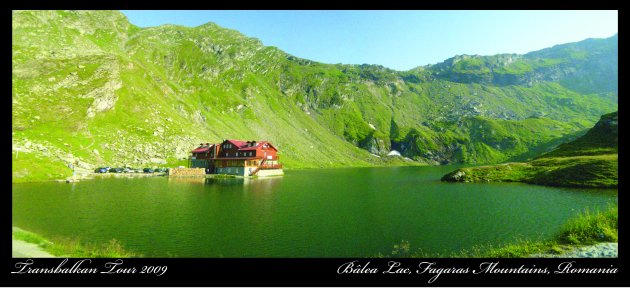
(589, 161)
(91, 87)
(589, 66)
(602, 139)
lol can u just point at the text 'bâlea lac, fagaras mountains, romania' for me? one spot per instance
(508, 155)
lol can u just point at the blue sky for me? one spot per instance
(400, 40)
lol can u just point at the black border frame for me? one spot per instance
(309, 272)
(316, 272)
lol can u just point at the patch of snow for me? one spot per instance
(393, 153)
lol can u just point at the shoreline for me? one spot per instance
(22, 249)
(26, 244)
(88, 176)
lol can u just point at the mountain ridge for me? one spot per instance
(142, 96)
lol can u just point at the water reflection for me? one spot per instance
(260, 185)
(191, 180)
(262, 182)
(226, 181)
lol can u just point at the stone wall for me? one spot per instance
(270, 172)
(186, 172)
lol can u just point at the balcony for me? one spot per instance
(274, 166)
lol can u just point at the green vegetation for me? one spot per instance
(65, 247)
(48, 170)
(580, 171)
(592, 227)
(89, 86)
(600, 140)
(586, 229)
(589, 161)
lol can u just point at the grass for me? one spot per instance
(46, 169)
(192, 81)
(599, 171)
(67, 247)
(592, 227)
(587, 228)
(589, 161)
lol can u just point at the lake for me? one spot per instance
(353, 212)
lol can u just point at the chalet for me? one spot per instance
(202, 156)
(242, 158)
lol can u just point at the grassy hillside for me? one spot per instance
(93, 88)
(589, 161)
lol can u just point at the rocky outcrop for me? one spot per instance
(455, 176)
(375, 145)
(601, 250)
(105, 96)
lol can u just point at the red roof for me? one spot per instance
(244, 146)
(257, 146)
(238, 143)
(201, 150)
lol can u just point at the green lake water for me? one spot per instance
(357, 212)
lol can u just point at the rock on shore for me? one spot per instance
(600, 250)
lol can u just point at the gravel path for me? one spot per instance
(23, 249)
(594, 251)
